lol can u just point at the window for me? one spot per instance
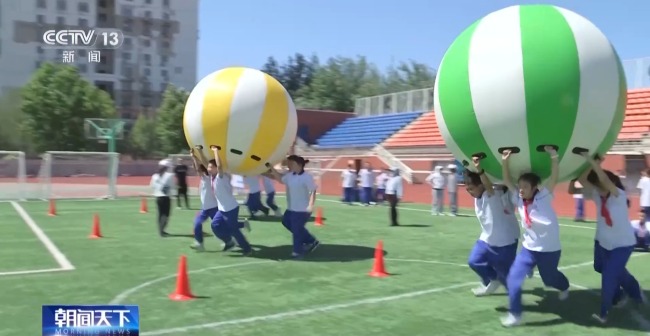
(147, 14)
(146, 43)
(83, 68)
(165, 44)
(102, 18)
(41, 4)
(147, 72)
(147, 2)
(102, 3)
(147, 59)
(127, 25)
(163, 87)
(39, 50)
(178, 70)
(127, 11)
(40, 18)
(61, 5)
(165, 16)
(128, 42)
(164, 60)
(83, 22)
(60, 20)
(164, 73)
(83, 7)
(126, 56)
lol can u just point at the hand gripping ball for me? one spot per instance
(528, 76)
(245, 112)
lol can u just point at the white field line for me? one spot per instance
(38, 271)
(59, 257)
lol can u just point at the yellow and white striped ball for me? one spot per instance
(247, 113)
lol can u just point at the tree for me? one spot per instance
(409, 76)
(295, 74)
(272, 68)
(142, 141)
(55, 103)
(169, 125)
(11, 137)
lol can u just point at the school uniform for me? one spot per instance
(452, 189)
(437, 181)
(380, 182)
(367, 178)
(254, 199)
(642, 235)
(299, 188)
(644, 197)
(209, 208)
(613, 247)
(394, 193)
(225, 223)
(348, 183)
(541, 247)
(496, 248)
(269, 189)
(162, 186)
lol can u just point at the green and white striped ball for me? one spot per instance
(527, 76)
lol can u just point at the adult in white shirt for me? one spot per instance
(162, 183)
(301, 197)
(367, 177)
(269, 189)
(208, 200)
(348, 181)
(380, 182)
(437, 182)
(541, 244)
(394, 193)
(452, 188)
(254, 198)
(225, 223)
(644, 189)
(615, 238)
(495, 250)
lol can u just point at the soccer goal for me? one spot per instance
(79, 174)
(13, 176)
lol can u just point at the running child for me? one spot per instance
(209, 205)
(225, 223)
(496, 248)
(254, 198)
(615, 239)
(269, 189)
(541, 245)
(301, 196)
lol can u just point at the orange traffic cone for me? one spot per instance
(96, 233)
(319, 217)
(182, 292)
(378, 268)
(143, 206)
(52, 210)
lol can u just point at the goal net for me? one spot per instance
(13, 176)
(79, 175)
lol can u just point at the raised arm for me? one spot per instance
(217, 160)
(604, 180)
(195, 162)
(485, 180)
(555, 168)
(200, 156)
(505, 169)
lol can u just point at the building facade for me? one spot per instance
(159, 46)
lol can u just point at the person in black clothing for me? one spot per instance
(181, 181)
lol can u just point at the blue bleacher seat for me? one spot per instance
(365, 131)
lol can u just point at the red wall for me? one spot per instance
(320, 122)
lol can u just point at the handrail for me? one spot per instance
(388, 158)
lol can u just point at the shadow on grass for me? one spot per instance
(578, 309)
(324, 253)
(278, 219)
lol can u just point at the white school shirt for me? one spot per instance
(394, 186)
(367, 178)
(452, 183)
(644, 186)
(621, 233)
(226, 201)
(162, 185)
(208, 199)
(437, 180)
(349, 177)
(299, 188)
(580, 194)
(253, 183)
(381, 180)
(544, 233)
(268, 185)
(499, 226)
(237, 181)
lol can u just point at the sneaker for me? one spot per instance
(277, 212)
(452, 215)
(247, 225)
(510, 320)
(487, 290)
(311, 247)
(600, 319)
(229, 246)
(563, 295)
(198, 247)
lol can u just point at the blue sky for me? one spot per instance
(246, 32)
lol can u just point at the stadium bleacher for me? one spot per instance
(421, 132)
(637, 115)
(365, 131)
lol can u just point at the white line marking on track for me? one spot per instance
(59, 257)
(40, 271)
(307, 311)
(428, 262)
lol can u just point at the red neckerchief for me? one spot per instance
(527, 202)
(604, 211)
